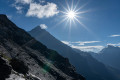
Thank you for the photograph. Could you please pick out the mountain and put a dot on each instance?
(91, 60)
(109, 56)
(23, 56)
(84, 63)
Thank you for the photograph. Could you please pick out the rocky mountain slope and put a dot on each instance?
(18, 71)
(84, 63)
(109, 56)
(17, 46)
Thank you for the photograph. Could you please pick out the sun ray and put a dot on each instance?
(70, 21)
(81, 7)
(72, 5)
(76, 5)
(68, 7)
(83, 25)
(61, 21)
(71, 15)
(82, 12)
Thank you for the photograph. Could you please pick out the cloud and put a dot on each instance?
(42, 1)
(80, 45)
(17, 5)
(36, 8)
(43, 26)
(67, 43)
(23, 1)
(41, 11)
(118, 44)
(18, 8)
(114, 36)
(89, 48)
(85, 42)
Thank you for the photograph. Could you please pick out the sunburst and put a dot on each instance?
(72, 15)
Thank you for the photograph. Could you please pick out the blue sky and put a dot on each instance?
(101, 18)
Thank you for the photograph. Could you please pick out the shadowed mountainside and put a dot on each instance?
(85, 64)
(109, 56)
(42, 62)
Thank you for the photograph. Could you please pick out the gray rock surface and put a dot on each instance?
(42, 62)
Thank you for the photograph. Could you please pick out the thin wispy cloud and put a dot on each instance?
(23, 1)
(41, 11)
(43, 26)
(114, 36)
(17, 5)
(117, 44)
(42, 1)
(81, 45)
(67, 43)
(89, 48)
(85, 42)
(18, 8)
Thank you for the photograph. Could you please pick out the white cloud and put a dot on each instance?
(114, 36)
(89, 48)
(23, 1)
(67, 43)
(85, 42)
(18, 8)
(84, 48)
(40, 11)
(43, 26)
(36, 8)
(42, 1)
(118, 44)
(19, 4)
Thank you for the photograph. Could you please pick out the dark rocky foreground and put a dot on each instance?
(29, 59)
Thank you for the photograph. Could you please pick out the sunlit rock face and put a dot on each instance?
(20, 49)
(9, 72)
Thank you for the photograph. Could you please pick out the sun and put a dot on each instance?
(71, 14)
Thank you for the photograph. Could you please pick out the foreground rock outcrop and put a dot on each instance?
(20, 49)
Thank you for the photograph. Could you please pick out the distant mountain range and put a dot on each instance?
(84, 63)
(24, 58)
(109, 56)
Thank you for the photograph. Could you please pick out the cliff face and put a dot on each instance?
(47, 64)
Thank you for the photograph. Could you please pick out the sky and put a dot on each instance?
(97, 24)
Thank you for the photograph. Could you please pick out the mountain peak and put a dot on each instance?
(110, 46)
(38, 28)
(3, 17)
